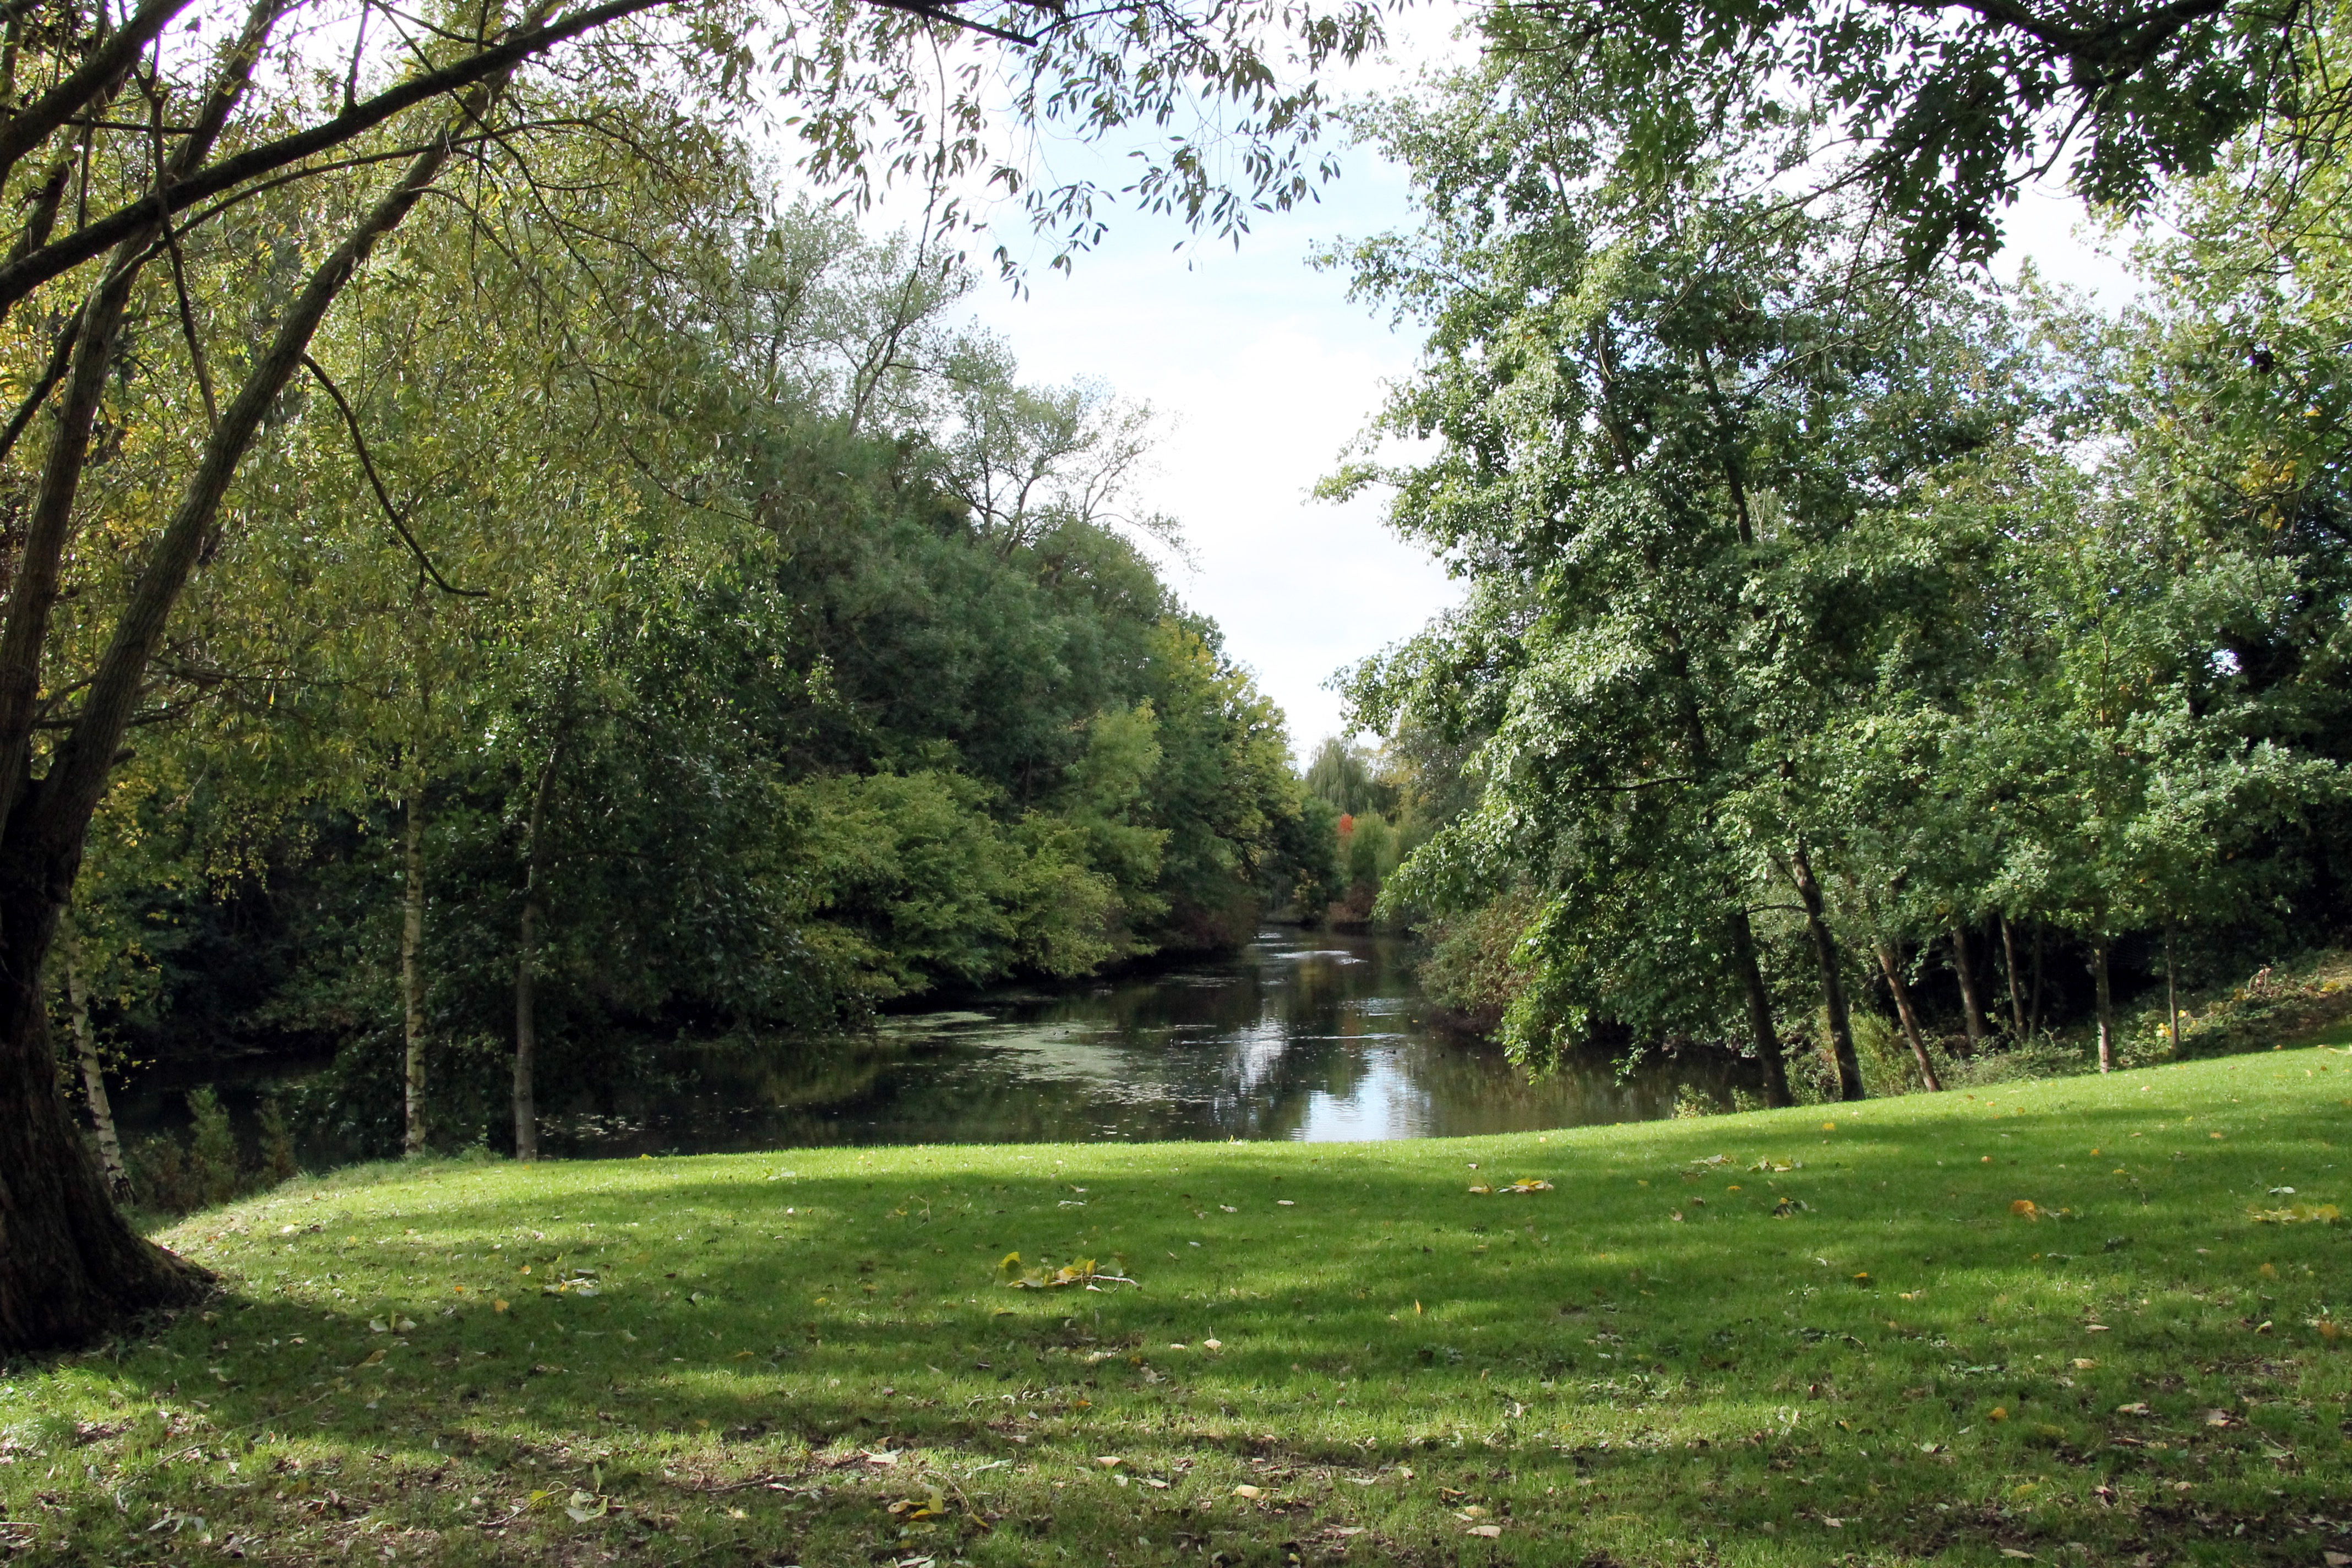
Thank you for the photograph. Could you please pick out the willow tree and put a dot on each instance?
(130, 140)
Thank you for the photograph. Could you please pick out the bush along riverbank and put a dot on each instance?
(2092, 1320)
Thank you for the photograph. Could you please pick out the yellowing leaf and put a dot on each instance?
(1249, 1492)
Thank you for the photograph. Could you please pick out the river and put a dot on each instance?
(1301, 1035)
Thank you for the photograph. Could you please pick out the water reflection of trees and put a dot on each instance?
(1293, 1034)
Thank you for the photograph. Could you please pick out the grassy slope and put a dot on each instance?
(783, 1349)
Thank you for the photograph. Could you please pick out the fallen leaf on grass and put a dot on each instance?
(2297, 1213)
(1249, 1492)
(2020, 1556)
(931, 1505)
(1488, 1531)
(2026, 1209)
(882, 1457)
(1083, 1273)
(2136, 1407)
(1109, 1461)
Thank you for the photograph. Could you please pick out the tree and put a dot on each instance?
(1935, 117)
(146, 183)
(1674, 431)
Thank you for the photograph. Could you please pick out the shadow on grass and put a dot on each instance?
(1855, 1346)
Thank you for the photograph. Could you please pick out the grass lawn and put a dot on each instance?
(2045, 1322)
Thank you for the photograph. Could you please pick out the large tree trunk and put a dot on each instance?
(70, 1268)
(93, 1073)
(1891, 965)
(1760, 1011)
(2107, 1005)
(412, 969)
(1972, 1016)
(1825, 954)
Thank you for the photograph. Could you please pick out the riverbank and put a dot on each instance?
(2082, 1319)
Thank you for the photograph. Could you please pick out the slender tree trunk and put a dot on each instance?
(412, 966)
(93, 1075)
(526, 1057)
(1825, 953)
(535, 875)
(2171, 992)
(1891, 965)
(70, 1268)
(1972, 1016)
(2033, 1017)
(1760, 1011)
(2016, 991)
(2107, 1005)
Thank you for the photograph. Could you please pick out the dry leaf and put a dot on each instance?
(1488, 1531)
(1249, 1492)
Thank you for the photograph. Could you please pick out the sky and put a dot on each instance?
(1263, 369)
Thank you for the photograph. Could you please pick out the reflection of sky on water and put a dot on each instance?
(1300, 1036)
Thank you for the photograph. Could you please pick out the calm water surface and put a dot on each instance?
(1301, 1035)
